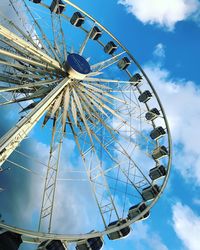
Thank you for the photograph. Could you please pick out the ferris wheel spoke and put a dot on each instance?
(91, 79)
(97, 84)
(59, 39)
(24, 33)
(8, 79)
(106, 63)
(99, 93)
(87, 103)
(29, 48)
(79, 106)
(40, 93)
(27, 68)
(24, 168)
(104, 202)
(56, 104)
(84, 44)
(66, 100)
(103, 192)
(17, 50)
(123, 150)
(24, 59)
(74, 110)
(13, 137)
(30, 32)
(102, 105)
(95, 73)
(87, 171)
(29, 76)
(92, 100)
(26, 86)
(104, 147)
(44, 37)
(89, 109)
(102, 93)
(140, 173)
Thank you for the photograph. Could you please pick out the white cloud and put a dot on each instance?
(144, 236)
(159, 50)
(165, 13)
(196, 201)
(186, 225)
(181, 101)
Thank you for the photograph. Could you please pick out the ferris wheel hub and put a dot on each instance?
(77, 66)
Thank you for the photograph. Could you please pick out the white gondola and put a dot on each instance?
(150, 192)
(157, 172)
(90, 244)
(159, 152)
(135, 79)
(157, 133)
(124, 63)
(110, 48)
(77, 19)
(51, 245)
(95, 33)
(36, 1)
(57, 6)
(152, 114)
(10, 241)
(120, 233)
(145, 96)
(136, 210)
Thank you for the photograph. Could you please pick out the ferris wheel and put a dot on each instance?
(88, 128)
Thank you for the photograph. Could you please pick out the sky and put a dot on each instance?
(164, 36)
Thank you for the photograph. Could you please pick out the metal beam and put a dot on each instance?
(29, 47)
(24, 59)
(14, 136)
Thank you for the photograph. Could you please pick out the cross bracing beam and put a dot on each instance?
(48, 200)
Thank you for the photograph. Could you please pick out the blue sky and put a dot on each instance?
(164, 36)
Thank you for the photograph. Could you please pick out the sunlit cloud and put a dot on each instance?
(186, 224)
(163, 13)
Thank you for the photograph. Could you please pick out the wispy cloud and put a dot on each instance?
(144, 237)
(186, 224)
(164, 13)
(159, 50)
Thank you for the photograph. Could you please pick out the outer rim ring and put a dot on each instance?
(37, 237)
